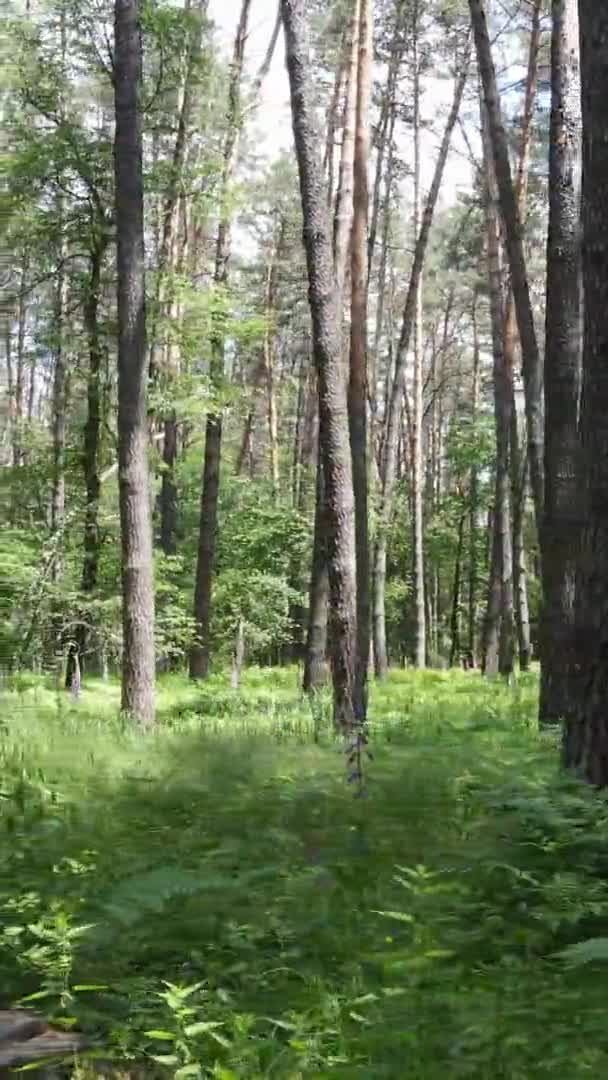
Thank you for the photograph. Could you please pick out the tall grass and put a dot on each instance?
(211, 900)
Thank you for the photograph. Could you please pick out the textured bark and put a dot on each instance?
(318, 598)
(59, 397)
(519, 475)
(417, 395)
(563, 509)
(333, 426)
(393, 411)
(344, 199)
(135, 517)
(357, 389)
(455, 647)
(200, 652)
(532, 370)
(501, 584)
(473, 507)
(586, 734)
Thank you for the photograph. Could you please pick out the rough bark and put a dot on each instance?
(562, 518)
(200, 652)
(393, 411)
(473, 506)
(586, 734)
(135, 517)
(344, 198)
(455, 647)
(318, 596)
(500, 622)
(357, 389)
(532, 369)
(417, 395)
(333, 411)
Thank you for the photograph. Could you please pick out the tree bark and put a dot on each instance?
(316, 636)
(586, 733)
(393, 411)
(473, 506)
(344, 199)
(135, 517)
(357, 389)
(200, 652)
(517, 264)
(417, 403)
(563, 511)
(333, 410)
(455, 620)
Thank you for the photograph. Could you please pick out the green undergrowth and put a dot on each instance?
(214, 900)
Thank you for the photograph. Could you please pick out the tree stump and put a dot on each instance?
(26, 1038)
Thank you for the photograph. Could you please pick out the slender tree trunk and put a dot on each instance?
(394, 406)
(135, 517)
(344, 199)
(316, 637)
(59, 398)
(500, 623)
(563, 510)
(200, 653)
(92, 433)
(517, 264)
(357, 390)
(417, 404)
(473, 506)
(455, 621)
(333, 410)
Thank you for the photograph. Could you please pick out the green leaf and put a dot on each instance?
(398, 916)
(187, 1070)
(584, 952)
(165, 1036)
(201, 1027)
(165, 1059)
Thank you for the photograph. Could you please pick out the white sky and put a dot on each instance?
(273, 118)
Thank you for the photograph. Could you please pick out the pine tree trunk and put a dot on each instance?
(563, 511)
(473, 507)
(455, 647)
(502, 560)
(517, 264)
(344, 199)
(316, 637)
(357, 390)
(135, 517)
(417, 404)
(586, 733)
(327, 349)
(200, 652)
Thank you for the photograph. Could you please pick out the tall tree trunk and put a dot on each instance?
(455, 621)
(327, 348)
(357, 390)
(318, 597)
(502, 564)
(92, 432)
(473, 505)
(586, 733)
(519, 475)
(135, 517)
(417, 403)
(393, 411)
(200, 652)
(344, 199)
(563, 511)
(517, 264)
(59, 397)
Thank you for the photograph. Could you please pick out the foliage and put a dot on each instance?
(213, 902)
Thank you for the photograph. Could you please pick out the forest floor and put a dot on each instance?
(212, 900)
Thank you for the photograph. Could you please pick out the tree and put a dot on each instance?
(135, 518)
(563, 342)
(586, 728)
(333, 412)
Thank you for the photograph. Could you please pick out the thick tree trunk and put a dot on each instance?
(333, 427)
(316, 637)
(394, 407)
(517, 264)
(563, 510)
(586, 733)
(200, 653)
(135, 517)
(357, 389)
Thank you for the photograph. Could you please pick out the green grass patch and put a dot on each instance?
(212, 900)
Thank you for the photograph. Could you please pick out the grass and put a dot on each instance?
(212, 900)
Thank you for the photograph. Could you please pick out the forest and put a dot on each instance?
(304, 558)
